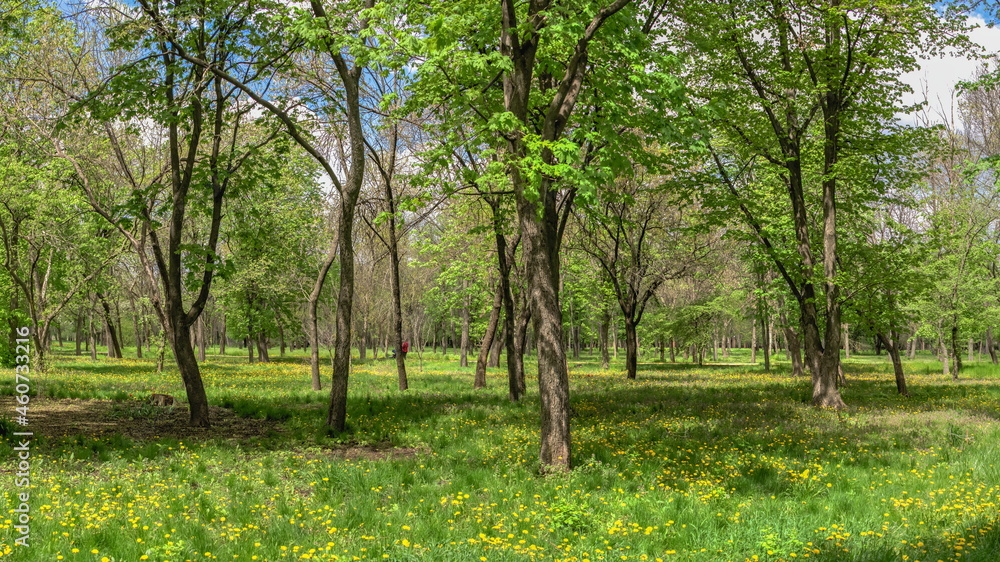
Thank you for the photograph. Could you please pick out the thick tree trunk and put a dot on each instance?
(631, 348)
(542, 257)
(190, 373)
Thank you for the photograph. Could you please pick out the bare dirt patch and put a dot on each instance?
(49, 418)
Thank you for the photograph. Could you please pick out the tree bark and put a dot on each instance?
(494, 360)
(631, 348)
(603, 339)
(892, 344)
(794, 349)
(990, 345)
(487, 343)
(114, 347)
(313, 308)
(466, 321)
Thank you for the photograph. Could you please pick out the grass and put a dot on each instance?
(711, 463)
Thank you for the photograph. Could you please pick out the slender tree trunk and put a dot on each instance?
(847, 341)
(794, 349)
(114, 347)
(223, 337)
(92, 336)
(494, 360)
(767, 344)
(990, 346)
(673, 353)
(487, 343)
(956, 351)
(79, 334)
(603, 338)
(281, 339)
(200, 336)
(892, 345)
(312, 306)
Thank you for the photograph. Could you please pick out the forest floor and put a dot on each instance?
(714, 463)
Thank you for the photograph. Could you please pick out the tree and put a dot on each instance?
(814, 90)
(639, 233)
(551, 82)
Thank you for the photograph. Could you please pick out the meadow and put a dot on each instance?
(712, 463)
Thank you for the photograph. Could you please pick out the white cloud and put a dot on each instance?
(937, 77)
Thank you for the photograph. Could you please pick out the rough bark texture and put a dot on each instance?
(631, 349)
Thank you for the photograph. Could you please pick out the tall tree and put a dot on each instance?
(815, 89)
(551, 81)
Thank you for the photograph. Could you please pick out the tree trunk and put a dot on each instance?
(519, 340)
(114, 347)
(494, 360)
(79, 334)
(200, 337)
(847, 341)
(767, 344)
(312, 306)
(487, 343)
(92, 337)
(989, 345)
(753, 344)
(944, 356)
(673, 353)
(956, 365)
(223, 337)
(281, 338)
(892, 345)
(631, 348)
(466, 321)
(262, 345)
(794, 349)
(397, 307)
(190, 374)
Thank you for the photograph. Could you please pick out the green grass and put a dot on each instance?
(686, 463)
